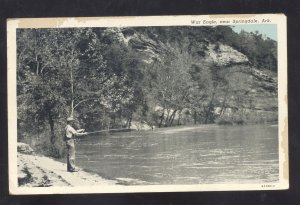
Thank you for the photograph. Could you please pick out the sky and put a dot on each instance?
(270, 30)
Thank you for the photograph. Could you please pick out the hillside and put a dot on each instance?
(252, 89)
(160, 76)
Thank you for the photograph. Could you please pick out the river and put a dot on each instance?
(204, 154)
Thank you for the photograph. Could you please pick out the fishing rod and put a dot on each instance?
(108, 130)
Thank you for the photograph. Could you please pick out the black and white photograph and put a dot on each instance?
(147, 104)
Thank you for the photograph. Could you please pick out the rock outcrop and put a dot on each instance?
(224, 55)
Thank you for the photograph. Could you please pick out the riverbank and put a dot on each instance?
(206, 153)
(41, 171)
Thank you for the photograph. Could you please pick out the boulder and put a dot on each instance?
(24, 148)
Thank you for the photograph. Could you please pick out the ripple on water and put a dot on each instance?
(216, 155)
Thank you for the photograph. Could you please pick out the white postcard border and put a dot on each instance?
(205, 20)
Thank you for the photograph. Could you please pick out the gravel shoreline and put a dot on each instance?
(41, 171)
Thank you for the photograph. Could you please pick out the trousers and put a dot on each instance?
(70, 154)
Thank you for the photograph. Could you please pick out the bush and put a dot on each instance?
(249, 117)
(56, 150)
(41, 144)
(239, 121)
(224, 122)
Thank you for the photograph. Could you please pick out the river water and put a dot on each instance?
(203, 154)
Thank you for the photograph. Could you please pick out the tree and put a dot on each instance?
(59, 56)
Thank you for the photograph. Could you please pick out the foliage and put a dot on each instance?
(161, 76)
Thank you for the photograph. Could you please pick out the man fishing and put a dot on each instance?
(70, 134)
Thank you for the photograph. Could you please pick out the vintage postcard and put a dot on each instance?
(147, 104)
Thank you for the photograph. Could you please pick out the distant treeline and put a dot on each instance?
(113, 77)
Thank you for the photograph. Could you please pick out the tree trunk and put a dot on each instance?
(167, 118)
(210, 106)
(195, 117)
(37, 65)
(172, 118)
(161, 118)
(207, 114)
(51, 123)
(114, 120)
(179, 117)
(72, 108)
(72, 92)
(120, 118)
(129, 123)
(222, 111)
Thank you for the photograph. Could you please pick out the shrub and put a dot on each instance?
(42, 145)
(56, 150)
(224, 122)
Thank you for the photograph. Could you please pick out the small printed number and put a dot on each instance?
(268, 185)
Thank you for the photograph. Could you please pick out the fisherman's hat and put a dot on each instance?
(69, 119)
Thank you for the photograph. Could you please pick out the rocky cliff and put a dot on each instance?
(254, 89)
